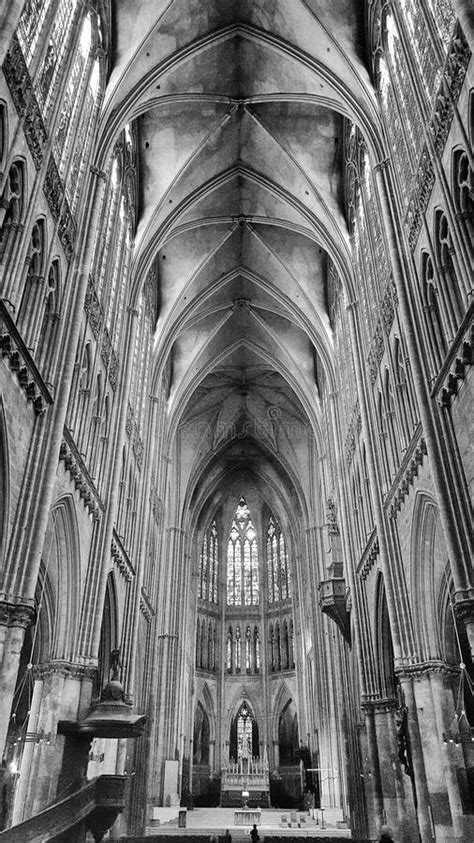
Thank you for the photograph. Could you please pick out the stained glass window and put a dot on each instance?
(83, 137)
(242, 560)
(423, 46)
(55, 52)
(279, 587)
(208, 565)
(244, 733)
(30, 25)
(71, 106)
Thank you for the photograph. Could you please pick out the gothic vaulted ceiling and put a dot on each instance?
(240, 106)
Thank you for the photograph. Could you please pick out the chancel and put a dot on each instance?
(236, 419)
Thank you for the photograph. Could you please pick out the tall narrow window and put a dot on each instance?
(229, 650)
(208, 565)
(30, 25)
(277, 563)
(242, 560)
(56, 50)
(256, 646)
(238, 651)
(248, 650)
(72, 102)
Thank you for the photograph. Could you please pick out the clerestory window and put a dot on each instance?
(208, 565)
(279, 586)
(242, 559)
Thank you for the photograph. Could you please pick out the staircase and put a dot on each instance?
(215, 821)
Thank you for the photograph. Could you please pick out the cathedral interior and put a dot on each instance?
(236, 418)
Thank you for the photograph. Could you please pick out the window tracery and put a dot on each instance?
(242, 560)
(436, 330)
(450, 289)
(208, 565)
(30, 26)
(423, 46)
(463, 189)
(31, 306)
(53, 56)
(11, 205)
(51, 314)
(244, 732)
(279, 586)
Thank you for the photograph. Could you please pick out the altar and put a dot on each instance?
(248, 779)
(247, 816)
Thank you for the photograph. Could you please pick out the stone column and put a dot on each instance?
(166, 659)
(276, 755)
(46, 767)
(452, 757)
(421, 790)
(453, 505)
(15, 617)
(376, 814)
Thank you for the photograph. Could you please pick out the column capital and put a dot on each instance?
(463, 605)
(426, 669)
(16, 611)
(61, 667)
(380, 705)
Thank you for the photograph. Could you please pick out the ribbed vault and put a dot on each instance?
(240, 107)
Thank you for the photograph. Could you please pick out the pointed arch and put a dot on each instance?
(208, 703)
(244, 732)
(429, 559)
(109, 631)
(282, 697)
(201, 736)
(61, 555)
(384, 644)
(288, 734)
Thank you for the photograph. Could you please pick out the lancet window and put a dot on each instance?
(279, 586)
(423, 46)
(54, 54)
(11, 205)
(74, 131)
(338, 312)
(30, 25)
(244, 733)
(208, 565)
(400, 108)
(31, 307)
(242, 560)
(141, 360)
